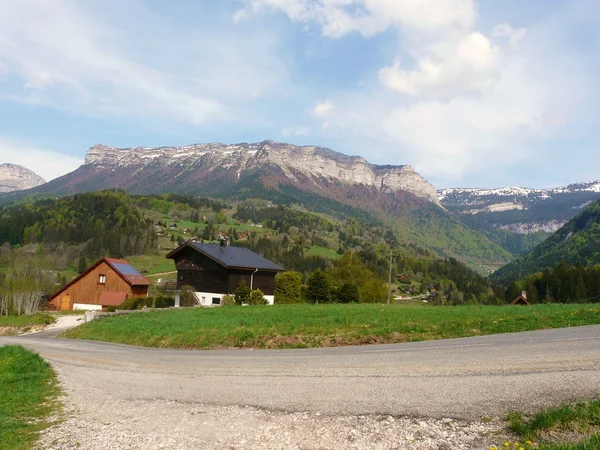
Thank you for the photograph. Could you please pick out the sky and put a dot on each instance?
(472, 93)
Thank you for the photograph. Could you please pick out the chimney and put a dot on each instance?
(524, 294)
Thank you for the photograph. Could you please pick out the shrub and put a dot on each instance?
(111, 309)
(228, 300)
(132, 303)
(288, 288)
(188, 296)
(257, 298)
(164, 301)
(242, 293)
(347, 293)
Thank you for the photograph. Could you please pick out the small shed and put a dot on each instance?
(521, 299)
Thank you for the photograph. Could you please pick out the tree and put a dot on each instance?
(319, 289)
(257, 298)
(188, 296)
(347, 293)
(81, 265)
(288, 286)
(242, 293)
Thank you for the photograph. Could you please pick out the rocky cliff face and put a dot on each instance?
(16, 178)
(307, 164)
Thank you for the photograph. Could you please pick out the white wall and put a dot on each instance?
(86, 307)
(205, 298)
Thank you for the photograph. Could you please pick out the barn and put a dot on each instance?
(216, 270)
(108, 282)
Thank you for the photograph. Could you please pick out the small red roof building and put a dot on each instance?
(108, 282)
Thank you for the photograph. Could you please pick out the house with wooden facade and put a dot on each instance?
(215, 270)
(108, 282)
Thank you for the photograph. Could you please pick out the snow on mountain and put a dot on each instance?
(314, 163)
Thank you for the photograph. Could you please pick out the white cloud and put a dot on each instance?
(470, 67)
(295, 130)
(48, 164)
(80, 60)
(505, 30)
(323, 108)
(337, 18)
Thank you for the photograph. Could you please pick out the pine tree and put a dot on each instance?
(318, 288)
(242, 293)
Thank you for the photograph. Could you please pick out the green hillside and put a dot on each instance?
(578, 242)
(61, 237)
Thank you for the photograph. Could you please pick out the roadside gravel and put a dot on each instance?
(110, 423)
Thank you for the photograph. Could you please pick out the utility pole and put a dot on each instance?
(390, 281)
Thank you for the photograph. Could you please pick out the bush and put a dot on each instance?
(228, 300)
(288, 288)
(242, 293)
(111, 309)
(164, 301)
(188, 296)
(347, 293)
(132, 303)
(257, 298)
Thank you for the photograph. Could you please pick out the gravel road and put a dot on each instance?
(429, 395)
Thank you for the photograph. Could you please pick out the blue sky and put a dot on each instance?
(471, 92)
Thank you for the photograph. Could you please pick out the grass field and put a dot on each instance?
(23, 321)
(566, 427)
(322, 251)
(29, 391)
(151, 264)
(298, 326)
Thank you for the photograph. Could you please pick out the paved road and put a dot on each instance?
(461, 378)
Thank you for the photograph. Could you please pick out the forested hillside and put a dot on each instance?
(80, 226)
(65, 235)
(578, 242)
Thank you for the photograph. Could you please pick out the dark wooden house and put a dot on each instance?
(215, 270)
(108, 282)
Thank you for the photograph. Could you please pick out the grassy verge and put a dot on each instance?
(325, 325)
(566, 427)
(11, 325)
(22, 321)
(29, 392)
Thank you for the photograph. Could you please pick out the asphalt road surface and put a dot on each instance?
(460, 378)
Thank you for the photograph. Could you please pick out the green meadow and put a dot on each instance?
(302, 326)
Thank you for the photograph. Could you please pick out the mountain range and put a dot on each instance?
(487, 227)
(317, 178)
(519, 218)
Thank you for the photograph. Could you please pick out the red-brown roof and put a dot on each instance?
(112, 298)
(520, 300)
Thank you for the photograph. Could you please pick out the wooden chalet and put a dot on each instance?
(108, 282)
(215, 270)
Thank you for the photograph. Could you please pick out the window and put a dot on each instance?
(102, 279)
(216, 301)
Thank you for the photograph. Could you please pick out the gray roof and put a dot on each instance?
(233, 257)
